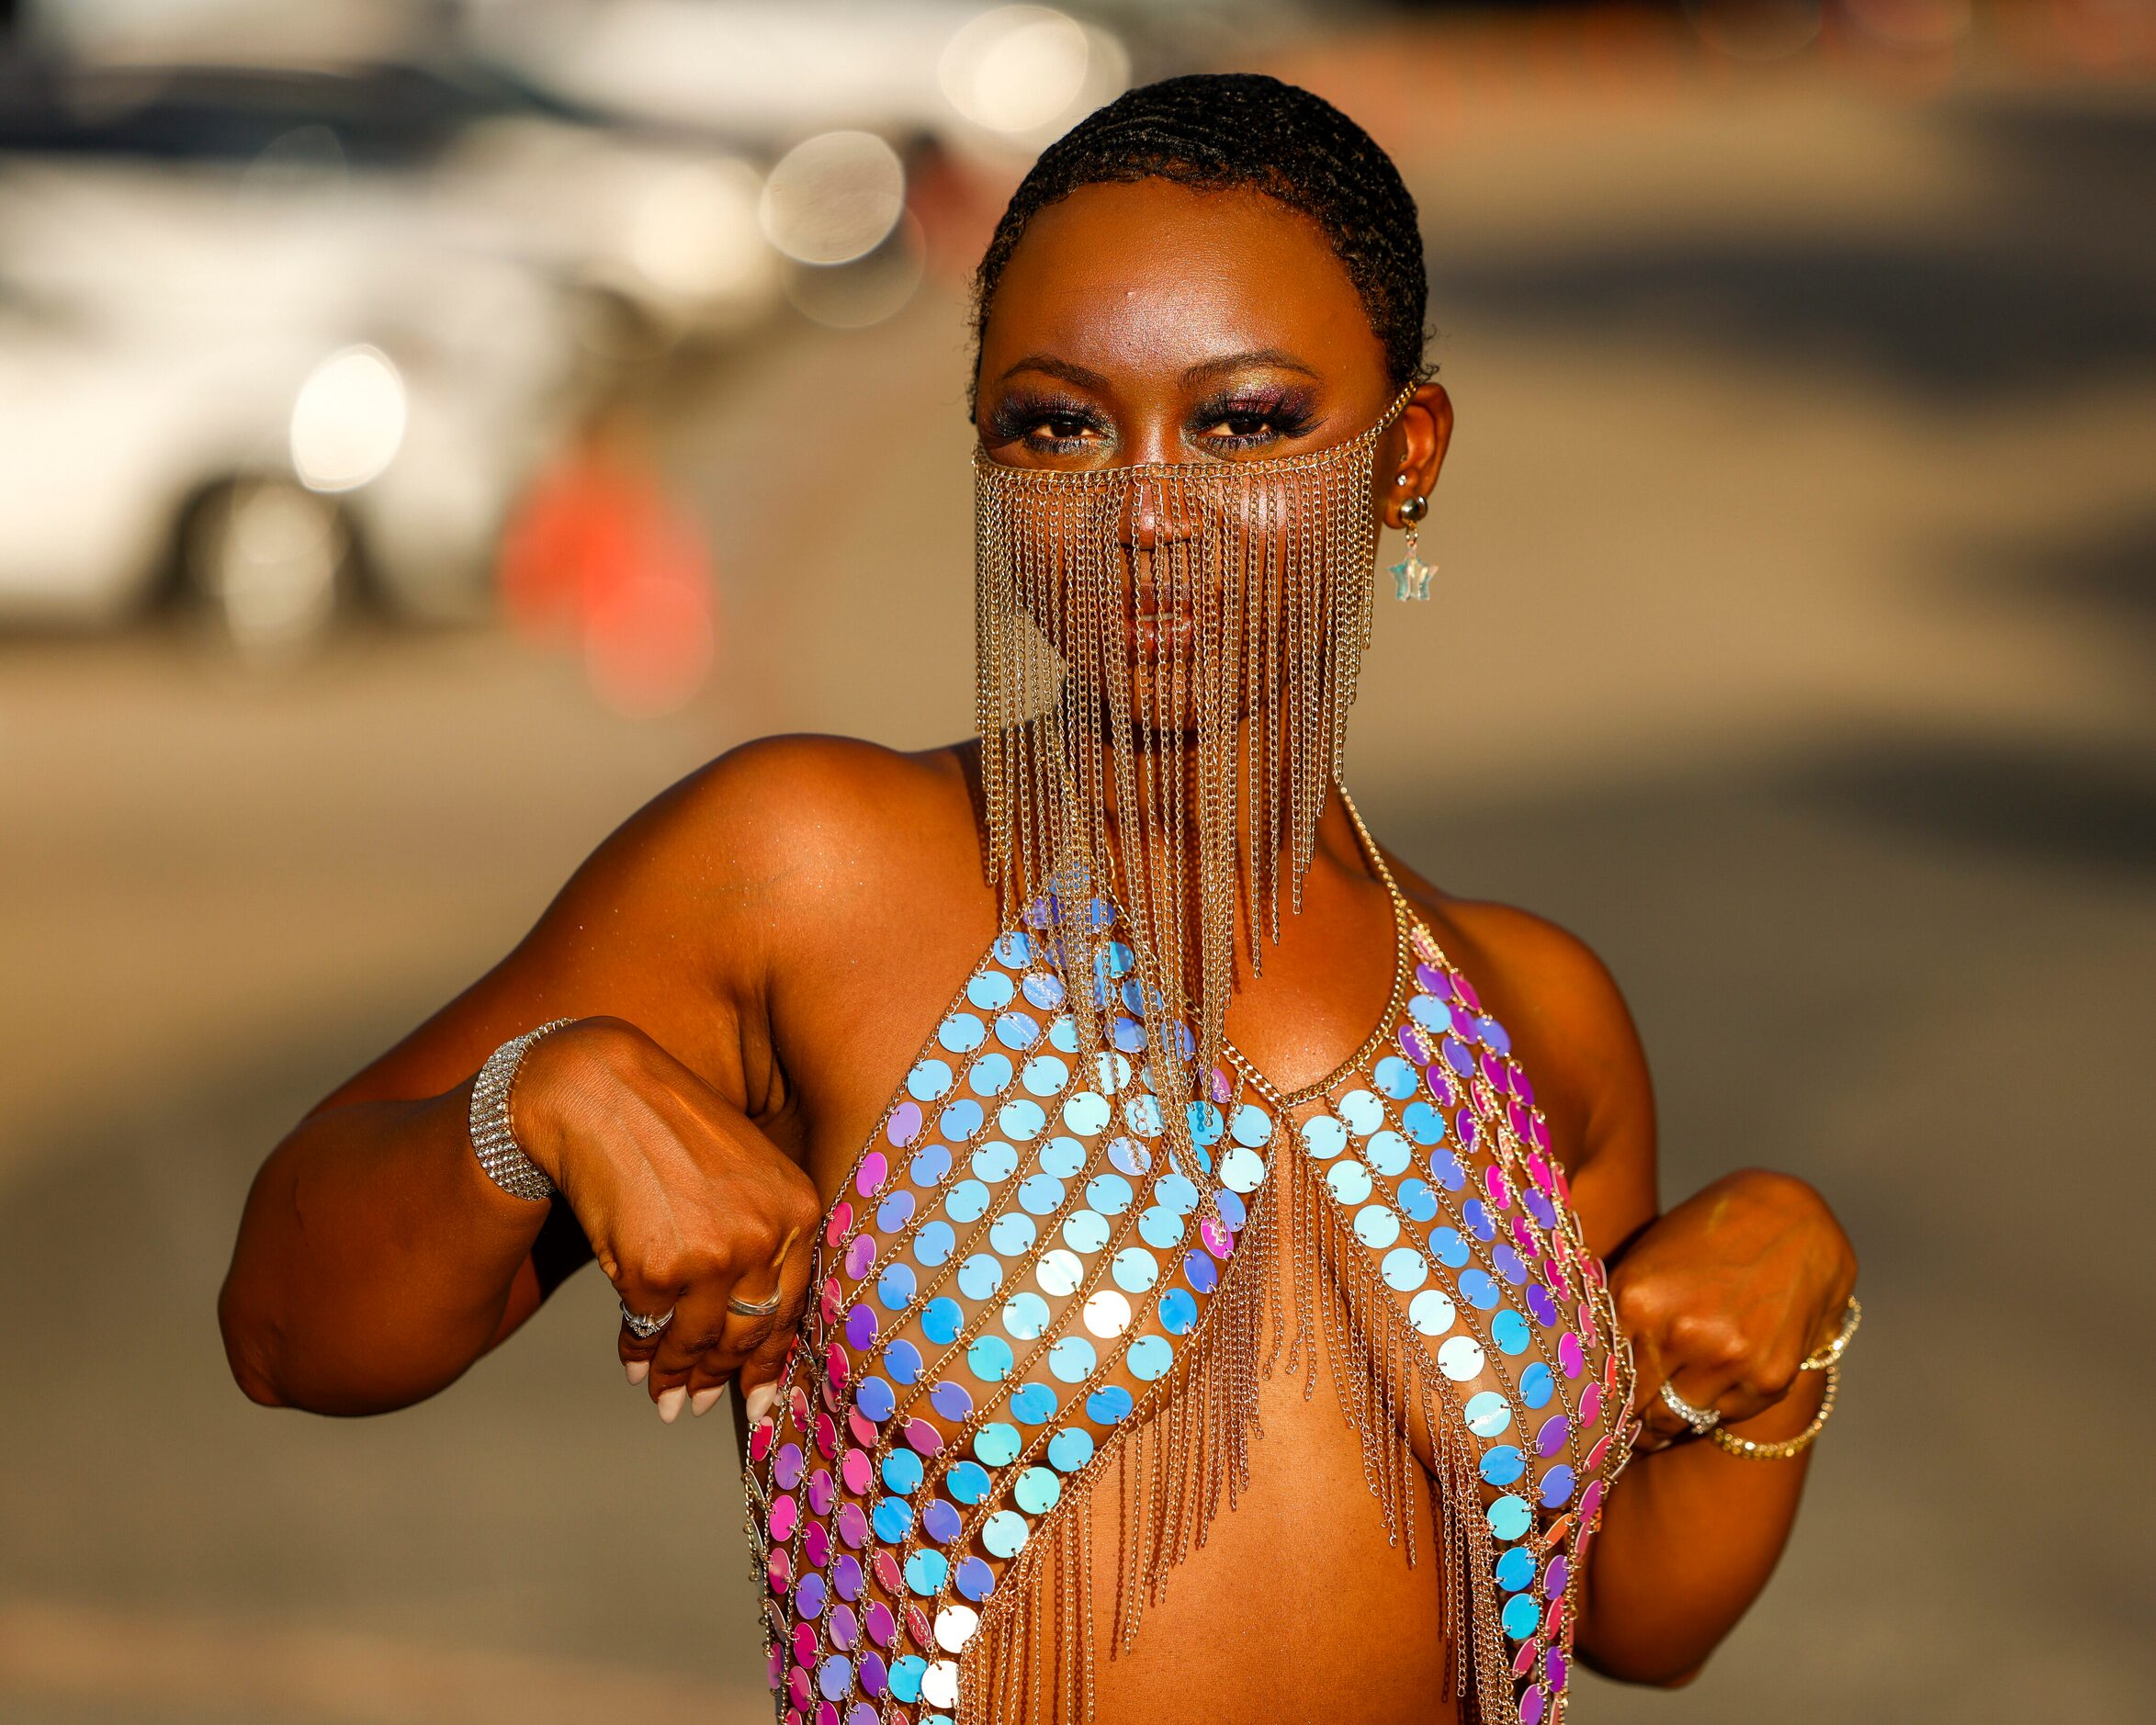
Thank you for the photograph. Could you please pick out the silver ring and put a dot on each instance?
(642, 1327)
(755, 1308)
(1702, 1420)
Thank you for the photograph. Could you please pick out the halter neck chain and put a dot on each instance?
(1403, 979)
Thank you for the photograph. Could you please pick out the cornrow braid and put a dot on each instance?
(1216, 130)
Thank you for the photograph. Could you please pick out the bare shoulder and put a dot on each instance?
(752, 836)
(777, 815)
(802, 781)
(1573, 1032)
(776, 856)
(677, 919)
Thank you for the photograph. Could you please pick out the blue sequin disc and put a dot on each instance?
(1109, 1405)
(875, 1399)
(997, 1444)
(902, 1472)
(933, 1245)
(1488, 1413)
(942, 1319)
(1072, 1359)
(989, 1358)
(1032, 1405)
(1149, 1358)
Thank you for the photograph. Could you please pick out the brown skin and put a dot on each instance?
(753, 958)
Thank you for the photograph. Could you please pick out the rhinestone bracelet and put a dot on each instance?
(493, 1136)
(1820, 1358)
(1752, 1449)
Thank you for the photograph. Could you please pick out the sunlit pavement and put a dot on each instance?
(1796, 646)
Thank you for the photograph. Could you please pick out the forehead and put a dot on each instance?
(1153, 275)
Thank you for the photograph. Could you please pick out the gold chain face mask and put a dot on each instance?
(1166, 656)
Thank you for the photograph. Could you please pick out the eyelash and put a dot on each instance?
(1270, 415)
(1018, 417)
(1285, 413)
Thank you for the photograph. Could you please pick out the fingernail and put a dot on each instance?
(700, 1403)
(638, 1370)
(757, 1401)
(670, 1402)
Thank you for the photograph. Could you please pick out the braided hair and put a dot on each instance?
(1213, 131)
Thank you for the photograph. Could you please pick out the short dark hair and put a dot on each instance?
(1214, 131)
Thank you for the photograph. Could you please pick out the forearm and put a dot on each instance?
(374, 1259)
(1690, 1537)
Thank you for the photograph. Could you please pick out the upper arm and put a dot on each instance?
(655, 927)
(667, 925)
(1573, 1034)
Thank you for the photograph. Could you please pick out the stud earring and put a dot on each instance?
(1411, 575)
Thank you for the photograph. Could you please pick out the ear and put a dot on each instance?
(1414, 450)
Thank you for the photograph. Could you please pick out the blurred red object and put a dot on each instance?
(598, 558)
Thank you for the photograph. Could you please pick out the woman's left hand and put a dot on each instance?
(1724, 1295)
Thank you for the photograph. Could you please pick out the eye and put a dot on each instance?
(1251, 420)
(1049, 424)
(1245, 424)
(1060, 428)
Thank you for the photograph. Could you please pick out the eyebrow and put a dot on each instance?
(1269, 357)
(1085, 378)
(1051, 367)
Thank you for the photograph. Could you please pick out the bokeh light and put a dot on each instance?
(696, 232)
(833, 197)
(348, 421)
(1015, 68)
(855, 296)
(1027, 72)
(650, 642)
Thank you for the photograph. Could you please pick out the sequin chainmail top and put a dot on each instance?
(1022, 1295)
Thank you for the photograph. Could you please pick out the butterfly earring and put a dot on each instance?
(1411, 575)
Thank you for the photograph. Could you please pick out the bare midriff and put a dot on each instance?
(1297, 1600)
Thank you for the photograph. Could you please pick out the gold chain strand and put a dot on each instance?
(1057, 725)
(1055, 594)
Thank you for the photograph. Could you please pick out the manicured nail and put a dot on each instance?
(638, 1370)
(670, 1402)
(700, 1403)
(757, 1401)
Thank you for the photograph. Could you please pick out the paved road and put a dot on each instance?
(1797, 650)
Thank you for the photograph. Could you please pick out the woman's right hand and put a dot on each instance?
(685, 1203)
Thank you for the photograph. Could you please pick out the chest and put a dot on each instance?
(848, 1031)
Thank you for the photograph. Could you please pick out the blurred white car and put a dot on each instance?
(265, 334)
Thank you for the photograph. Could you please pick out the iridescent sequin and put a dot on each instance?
(1018, 1256)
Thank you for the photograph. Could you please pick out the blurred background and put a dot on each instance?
(428, 429)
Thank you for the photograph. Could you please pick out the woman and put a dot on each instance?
(1122, 1327)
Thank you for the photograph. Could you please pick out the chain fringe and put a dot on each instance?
(1272, 565)
(1186, 1451)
